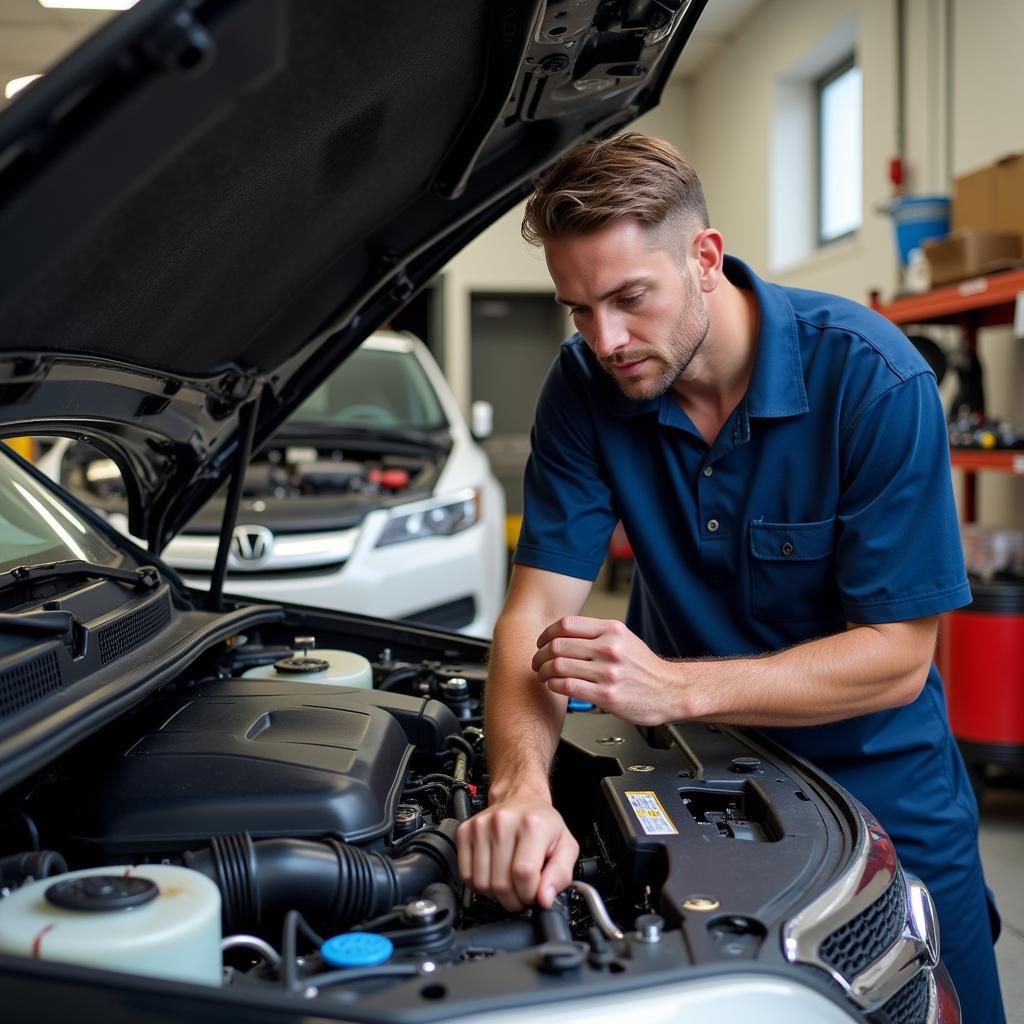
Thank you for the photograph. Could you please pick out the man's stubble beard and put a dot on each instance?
(688, 335)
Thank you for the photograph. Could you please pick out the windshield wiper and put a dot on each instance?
(145, 577)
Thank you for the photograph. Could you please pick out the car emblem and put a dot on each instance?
(252, 543)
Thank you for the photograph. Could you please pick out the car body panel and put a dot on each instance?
(169, 96)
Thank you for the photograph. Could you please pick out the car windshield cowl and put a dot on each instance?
(145, 577)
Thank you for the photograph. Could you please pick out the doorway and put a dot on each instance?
(515, 338)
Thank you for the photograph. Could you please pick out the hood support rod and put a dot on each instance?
(246, 432)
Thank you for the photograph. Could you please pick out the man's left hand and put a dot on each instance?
(603, 662)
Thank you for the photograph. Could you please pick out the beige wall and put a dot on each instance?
(722, 119)
(499, 260)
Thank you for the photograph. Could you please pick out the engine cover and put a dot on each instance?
(270, 758)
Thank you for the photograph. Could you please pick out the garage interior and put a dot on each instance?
(925, 93)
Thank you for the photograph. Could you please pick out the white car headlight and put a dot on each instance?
(436, 519)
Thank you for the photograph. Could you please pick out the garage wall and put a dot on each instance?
(499, 260)
(961, 99)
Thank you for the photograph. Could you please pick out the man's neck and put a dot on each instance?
(713, 385)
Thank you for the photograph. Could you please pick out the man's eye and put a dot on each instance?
(631, 300)
(577, 310)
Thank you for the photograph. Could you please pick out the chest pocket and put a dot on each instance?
(792, 571)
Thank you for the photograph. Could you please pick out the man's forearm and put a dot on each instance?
(865, 669)
(522, 717)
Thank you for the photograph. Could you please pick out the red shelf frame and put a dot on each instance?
(987, 301)
(974, 461)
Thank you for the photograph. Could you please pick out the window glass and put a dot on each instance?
(839, 152)
(375, 388)
(36, 527)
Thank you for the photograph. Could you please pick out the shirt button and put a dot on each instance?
(787, 548)
(708, 471)
(712, 525)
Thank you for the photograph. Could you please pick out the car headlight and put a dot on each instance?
(432, 520)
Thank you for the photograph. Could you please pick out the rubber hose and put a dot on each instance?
(508, 936)
(18, 868)
(329, 881)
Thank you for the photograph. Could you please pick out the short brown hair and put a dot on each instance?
(603, 181)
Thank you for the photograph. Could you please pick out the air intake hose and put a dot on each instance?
(327, 881)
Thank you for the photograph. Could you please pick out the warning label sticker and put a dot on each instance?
(651, 815)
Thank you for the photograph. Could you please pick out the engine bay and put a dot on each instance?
(362, 469)
(313, 794)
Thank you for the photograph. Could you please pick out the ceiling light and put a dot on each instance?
(15, 85)
(89, 5)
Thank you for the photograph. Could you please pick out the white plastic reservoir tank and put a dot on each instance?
(332, 668)
(153, 919)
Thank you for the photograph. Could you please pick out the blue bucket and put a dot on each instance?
(919, 219)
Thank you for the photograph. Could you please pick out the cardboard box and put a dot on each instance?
(991, 198)
(974, 201)
(968, 253)
(1009, 194)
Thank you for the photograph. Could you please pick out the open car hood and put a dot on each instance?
(208, 205)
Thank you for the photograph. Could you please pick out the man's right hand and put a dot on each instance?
(518, 851)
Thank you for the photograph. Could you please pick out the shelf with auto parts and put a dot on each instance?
(981, 647)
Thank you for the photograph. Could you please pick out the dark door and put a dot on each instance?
(515, 338)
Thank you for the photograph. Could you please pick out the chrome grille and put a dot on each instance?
(862, 940)
(908, 1006)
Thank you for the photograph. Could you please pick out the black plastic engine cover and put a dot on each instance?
(266, 757)
(710, 818)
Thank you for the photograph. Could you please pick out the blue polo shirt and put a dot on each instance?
(825, 499)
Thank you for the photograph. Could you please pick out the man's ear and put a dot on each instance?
(708, 249)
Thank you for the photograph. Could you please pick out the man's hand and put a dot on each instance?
(603, 662)
(518, 850)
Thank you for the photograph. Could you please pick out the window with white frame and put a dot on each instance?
(839, 190)
(815, 193)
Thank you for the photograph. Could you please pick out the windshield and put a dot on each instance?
(36, 527)
(375, 388)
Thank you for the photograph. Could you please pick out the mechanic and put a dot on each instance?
(780, 462)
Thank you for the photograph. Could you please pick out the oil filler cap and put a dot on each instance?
(102, 892)
(357, 949)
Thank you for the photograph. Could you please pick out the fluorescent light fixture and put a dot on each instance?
(15, 85)
(88, 5)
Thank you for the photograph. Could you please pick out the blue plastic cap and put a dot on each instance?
(580, 705)
(357, 949)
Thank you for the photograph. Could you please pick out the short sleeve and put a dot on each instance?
(568, 511)
(898, 555)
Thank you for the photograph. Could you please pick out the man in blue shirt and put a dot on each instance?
(780, 462)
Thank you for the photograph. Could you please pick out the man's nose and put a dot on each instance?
(610, 334)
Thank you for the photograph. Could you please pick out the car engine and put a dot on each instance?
(282, 816)
(362, 468)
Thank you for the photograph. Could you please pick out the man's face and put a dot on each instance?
(639, 311)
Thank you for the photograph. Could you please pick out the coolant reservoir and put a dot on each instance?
(333, 668)
(153, 919)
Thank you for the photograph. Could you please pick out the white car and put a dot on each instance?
(373, 497)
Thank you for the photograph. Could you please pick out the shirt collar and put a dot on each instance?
(776, 386)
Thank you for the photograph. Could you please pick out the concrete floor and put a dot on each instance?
(1002, 847)
(1002, 853)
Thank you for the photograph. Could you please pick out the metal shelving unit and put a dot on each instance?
(988, 301)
